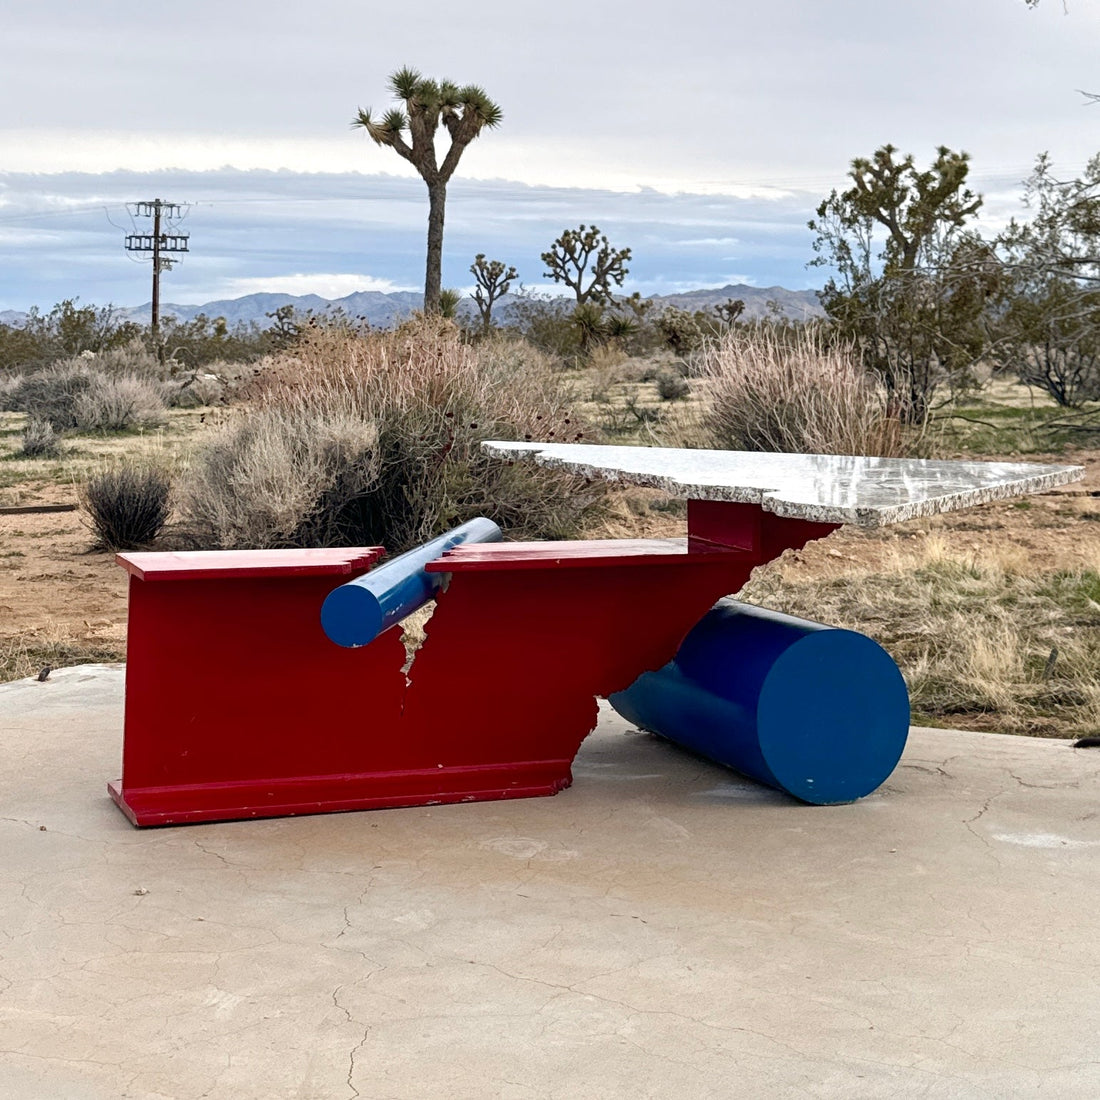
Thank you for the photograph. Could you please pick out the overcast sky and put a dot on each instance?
(701, 133)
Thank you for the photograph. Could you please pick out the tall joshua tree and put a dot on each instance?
(465, 112)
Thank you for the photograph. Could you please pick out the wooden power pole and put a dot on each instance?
(157, 243)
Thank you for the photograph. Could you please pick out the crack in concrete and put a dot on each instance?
(1074, 785)
(217, 855)
(969, 822)
(354, 1052)
(218, 1076)
(928, 770)
(578, 990)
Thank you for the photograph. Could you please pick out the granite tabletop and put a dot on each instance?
(870, 492)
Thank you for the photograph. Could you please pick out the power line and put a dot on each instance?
(157, 243)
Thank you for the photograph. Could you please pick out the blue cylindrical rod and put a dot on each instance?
(816, 711)
(357, 612)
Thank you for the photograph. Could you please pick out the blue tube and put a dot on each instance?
(357, 612)
(815, 711)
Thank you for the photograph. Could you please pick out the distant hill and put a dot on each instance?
(383, 310)
(799, 305)
(378, 309)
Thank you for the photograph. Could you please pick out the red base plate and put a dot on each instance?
(338, 793)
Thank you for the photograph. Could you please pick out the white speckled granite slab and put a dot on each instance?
(870, 492)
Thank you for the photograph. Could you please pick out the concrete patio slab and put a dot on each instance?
(661, 929)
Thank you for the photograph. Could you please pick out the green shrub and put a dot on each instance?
(67, 330)
(204, 340)
(547, 323)
(685, 332)
(366, 439)
(9, 383)
(127, 505)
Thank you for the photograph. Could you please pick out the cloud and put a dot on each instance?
(63, 233)
(259, 229)
(706, 242)
(743, 100)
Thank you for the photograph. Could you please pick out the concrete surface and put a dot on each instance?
(662, 929)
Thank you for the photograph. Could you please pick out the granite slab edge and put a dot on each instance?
(770, 500)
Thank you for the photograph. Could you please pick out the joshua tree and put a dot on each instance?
(568, 260)
(729, 310)
(912, 277)
(465, 112)
(493, 281)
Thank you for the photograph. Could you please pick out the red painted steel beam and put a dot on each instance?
(238, 706)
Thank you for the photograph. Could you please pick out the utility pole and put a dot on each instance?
(157, 243)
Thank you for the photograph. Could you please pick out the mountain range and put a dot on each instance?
(382, 310)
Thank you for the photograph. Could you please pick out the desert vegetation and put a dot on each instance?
(986, 639)
(798, 391)
(355, 436)
(409, 130)
(363, 438)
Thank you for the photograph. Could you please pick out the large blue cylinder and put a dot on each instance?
(816, 711)
(357, 612)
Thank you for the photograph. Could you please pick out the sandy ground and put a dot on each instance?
(52, 583)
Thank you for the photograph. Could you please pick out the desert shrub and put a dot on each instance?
(127, 506)
(546, 322)
(180, 385)
(9, 384)
(204, 340)
(672, 386)
(373, 438)
(51, 392)
(680, 330)
(685, 332)
(132, 358)
(74, 394)
(19, 348)
(115, 403)
(40, 440)
(281, 475)
(197, 389)
(67, 330)
(795, 392)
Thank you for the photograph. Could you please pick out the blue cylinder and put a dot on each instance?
(357, 612)
(815, 711)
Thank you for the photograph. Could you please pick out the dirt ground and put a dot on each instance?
(55, 589)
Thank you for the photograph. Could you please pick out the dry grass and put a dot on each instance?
(984, 640)
(363, 438)
(28, 653)
(795, 392)
(82, 456)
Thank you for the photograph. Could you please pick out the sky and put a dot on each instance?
(701, 133)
